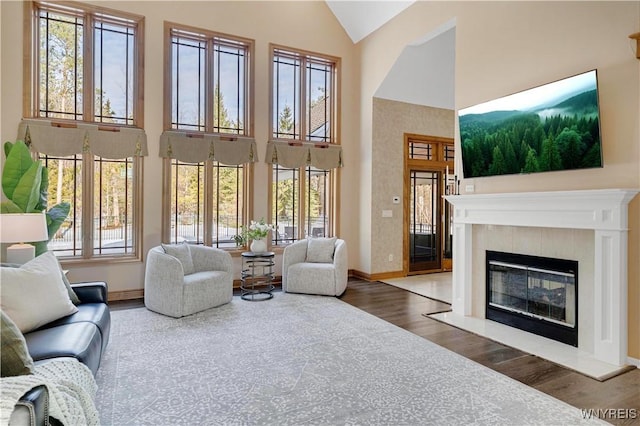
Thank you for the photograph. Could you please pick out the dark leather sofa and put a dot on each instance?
(83, 335)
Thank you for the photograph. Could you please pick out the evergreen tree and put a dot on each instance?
(593, 158)
(570, 147)
(285, 122)
(498, 165)
(549, 157)
(531, 162)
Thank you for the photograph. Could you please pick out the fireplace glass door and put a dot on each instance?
(548, 295)
(535, 294)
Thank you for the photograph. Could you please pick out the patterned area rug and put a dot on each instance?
(300, 359)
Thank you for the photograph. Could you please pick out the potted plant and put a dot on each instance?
(257, 233)
(25, 183)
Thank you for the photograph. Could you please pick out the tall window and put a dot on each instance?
(87, 69)
(208, 84)
(304, 109)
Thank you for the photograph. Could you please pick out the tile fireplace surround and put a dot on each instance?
(604, 214)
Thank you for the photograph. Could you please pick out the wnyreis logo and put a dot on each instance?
(610, 413)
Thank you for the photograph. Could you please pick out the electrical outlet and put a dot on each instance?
(390, 258)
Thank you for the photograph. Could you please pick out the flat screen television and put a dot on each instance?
(547, 128)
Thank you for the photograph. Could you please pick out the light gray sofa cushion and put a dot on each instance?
(320, 250)
(182, 253)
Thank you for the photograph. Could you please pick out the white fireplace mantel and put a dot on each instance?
(603, 210)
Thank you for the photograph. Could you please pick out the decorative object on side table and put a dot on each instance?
(257, 233)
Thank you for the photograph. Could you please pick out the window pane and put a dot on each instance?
(316, 202)
(286, 92)
(65, 177)
(60, 59)
(318, 101)
(227, 204)
(285, 204)
(113, 73)
(113, 212)
(188, 84)
(187, 202)
(229, 89)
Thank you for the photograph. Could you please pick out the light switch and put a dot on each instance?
(387, 213)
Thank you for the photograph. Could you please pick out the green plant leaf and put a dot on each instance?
(7, 148)
(41, 247)
(27, 192)
(55, 217)
(17, 163)
(9, 207)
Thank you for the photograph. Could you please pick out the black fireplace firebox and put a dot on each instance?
(535, 294)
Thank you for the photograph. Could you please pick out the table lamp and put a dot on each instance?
(19, 228)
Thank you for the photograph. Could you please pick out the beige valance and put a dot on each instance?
(232, 150)
(49, 138)
(302, 154)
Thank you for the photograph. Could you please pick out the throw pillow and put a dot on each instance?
(183, 254)
(14, 357)
(72, 294)
(320, 250)
(34, 294)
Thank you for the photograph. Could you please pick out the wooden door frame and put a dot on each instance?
(437, 163)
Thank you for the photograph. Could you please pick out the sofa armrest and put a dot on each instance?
(32, 408)
(292, 254)
(340, 261)
(91, 292)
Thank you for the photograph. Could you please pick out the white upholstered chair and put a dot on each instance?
(182, 279)
(315, 266)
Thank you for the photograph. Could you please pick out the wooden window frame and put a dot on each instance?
(333, 181)
(210, 166)
(31, 102)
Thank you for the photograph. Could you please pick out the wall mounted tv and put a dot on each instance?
(551, 127)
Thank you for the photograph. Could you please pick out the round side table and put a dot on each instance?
(257, 276)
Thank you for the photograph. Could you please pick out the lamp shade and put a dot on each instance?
(23, 227)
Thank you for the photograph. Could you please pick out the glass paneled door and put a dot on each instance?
(424, 221)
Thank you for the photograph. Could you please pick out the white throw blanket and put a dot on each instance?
(71, 387)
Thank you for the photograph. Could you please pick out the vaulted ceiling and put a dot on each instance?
(424, 72)
(361, 18)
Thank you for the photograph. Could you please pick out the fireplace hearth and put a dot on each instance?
(535, 294)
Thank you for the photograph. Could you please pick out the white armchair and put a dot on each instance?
(315, 266)
(184, 279)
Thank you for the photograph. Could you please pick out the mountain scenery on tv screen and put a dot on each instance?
(547, 128)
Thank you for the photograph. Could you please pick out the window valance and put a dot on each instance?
(302, 154)
(62, 140)
(232, 150)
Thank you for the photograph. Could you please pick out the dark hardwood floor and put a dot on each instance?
(618, 398)
(620, 395)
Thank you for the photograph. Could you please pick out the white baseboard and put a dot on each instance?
(633, 361)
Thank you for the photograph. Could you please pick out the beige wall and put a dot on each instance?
(501, 48)
(391, 120)
(304, 25)
(505, 47)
